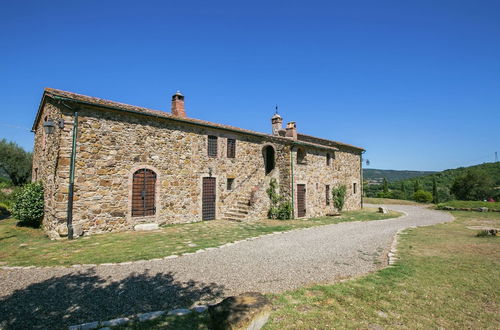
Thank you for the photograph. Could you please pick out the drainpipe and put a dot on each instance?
(72, 177)
(293, 193)
(361, 175)
(69, 218)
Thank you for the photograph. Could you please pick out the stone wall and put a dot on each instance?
(316, 174)
(112, 145)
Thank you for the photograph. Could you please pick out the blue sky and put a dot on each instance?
(416, 83)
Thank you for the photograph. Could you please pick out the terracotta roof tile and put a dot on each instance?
(94, 101)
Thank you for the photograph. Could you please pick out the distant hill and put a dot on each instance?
(446, 177)
(375, 176)
(444, 180)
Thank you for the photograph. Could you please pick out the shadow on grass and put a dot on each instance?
(85, 297)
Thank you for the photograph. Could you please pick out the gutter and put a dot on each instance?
(293, 192)
(148, 114)
(361, 176)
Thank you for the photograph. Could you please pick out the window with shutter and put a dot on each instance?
(327, 194)
(143, 193)
(212, 146)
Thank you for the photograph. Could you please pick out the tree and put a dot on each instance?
(403, 190)
(386, 186)
(15, 161)
(422, 196)
(435, 196)
(473, 185)
(416, 185)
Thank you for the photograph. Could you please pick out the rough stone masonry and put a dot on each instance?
(136, 166)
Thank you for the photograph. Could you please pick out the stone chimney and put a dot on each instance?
(277, 123)
(291, 130)
(178, 105)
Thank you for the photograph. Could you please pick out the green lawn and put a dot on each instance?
(369, 200)
(471, 204)
(446, 278)
(23, 246)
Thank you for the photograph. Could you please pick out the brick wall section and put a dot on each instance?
(112, 145)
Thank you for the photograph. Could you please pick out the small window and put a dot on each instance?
(301, 156)
(231, 148)
(35, 174)
(230, 183)
(328, 159)
(354, 188)
(327, 194)
(212, 146)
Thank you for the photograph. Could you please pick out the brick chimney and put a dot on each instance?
(277, 123)
(291, 130)
(178, 105)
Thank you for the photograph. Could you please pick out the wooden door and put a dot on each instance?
(143, 193)
(301, 200)
(208, 199)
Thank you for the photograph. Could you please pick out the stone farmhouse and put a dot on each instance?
(108, 166)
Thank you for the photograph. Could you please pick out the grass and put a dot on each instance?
(446, 278)
(24, 246)
(369, 200)
(472, 204)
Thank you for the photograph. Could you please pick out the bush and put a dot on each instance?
(338, 196)
(422, 196)
(280, 208)
(28, 204)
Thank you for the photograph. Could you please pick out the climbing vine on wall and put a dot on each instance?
(280, 208)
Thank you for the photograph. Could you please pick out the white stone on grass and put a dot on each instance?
(149, 316)
(200, 309)
(115, 322)
(171, 257)
(146, 227)
(85, 326)
(179, 312)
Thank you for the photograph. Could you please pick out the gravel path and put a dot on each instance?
(57, 297)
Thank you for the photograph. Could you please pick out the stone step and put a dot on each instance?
(238, 210)
(235, 215)
(232, 219)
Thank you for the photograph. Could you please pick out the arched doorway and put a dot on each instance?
(269, 161)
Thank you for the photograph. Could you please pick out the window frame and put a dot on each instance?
(231, 148)
(212, 148)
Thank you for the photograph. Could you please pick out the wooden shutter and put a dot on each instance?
(301, 200)
(327, 194)
(231, 148)
(143, 193)
(212, 146)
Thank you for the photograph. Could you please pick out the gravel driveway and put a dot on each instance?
(57, 297)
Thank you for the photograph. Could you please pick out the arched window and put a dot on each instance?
(269, 162)
(143, 193)
(301, 156)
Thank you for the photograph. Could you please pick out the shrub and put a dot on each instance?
(422, 196)
(28, 204)
(280, 208)
(338, 196)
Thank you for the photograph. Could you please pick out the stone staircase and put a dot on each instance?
(240, 209)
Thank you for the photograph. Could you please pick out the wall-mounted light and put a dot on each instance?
(49, 126)
(210, 172)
